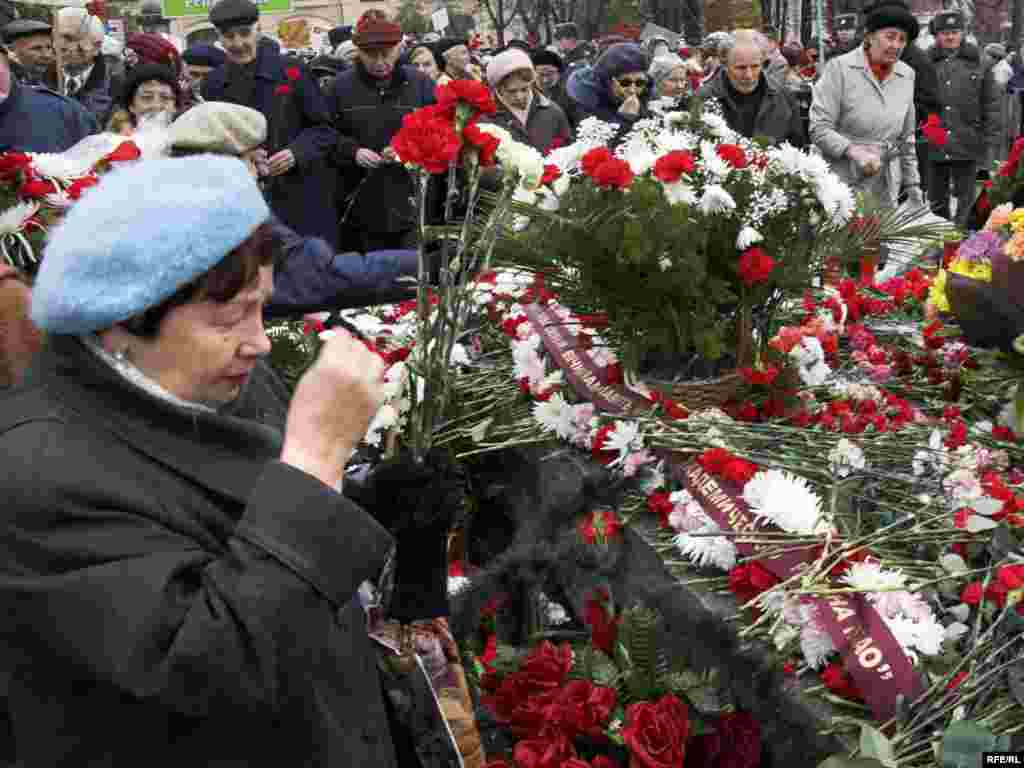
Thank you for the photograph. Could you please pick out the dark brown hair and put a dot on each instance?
(221, 283)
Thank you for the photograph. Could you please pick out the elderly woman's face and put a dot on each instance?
(674, 84)
(629, 84)
(515, 90)
(886, 45)
(152, 97)
(424, 61)
(205, 350)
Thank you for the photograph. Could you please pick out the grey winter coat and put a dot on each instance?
(778, 117)
(850, 106)
(970, 102)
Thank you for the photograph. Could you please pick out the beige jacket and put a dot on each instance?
(850, 106)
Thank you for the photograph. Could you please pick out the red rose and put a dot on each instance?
(583, 708)
(601, 761)
(733, 154)
(532, 713)
(126, 150)
(840, 683)
(760, 376)
(427, 140)
(282, 90)
(655, 733)
(741, 740)
(592, 159)
(972, 593)
(613, 174)
(543, 752)
(547, 665)
(670, 168)
(37, 188)
(483, 141)
(293, 73)
(755, 266)
(470, 92)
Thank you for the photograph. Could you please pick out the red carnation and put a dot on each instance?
(427, 140)
(660, 503)
(760, 376)
(470, 92)
(551, 174)
(840, 683)
(592, 159)
(733, 154)
(613, 174)
(293, 73)
(669, 168)
(932, 130)
(37, 188)
(755, 266)
(78, 186)
(126, 150)
(12, 162)
(282, 90)
(972, 593)
(485, 142)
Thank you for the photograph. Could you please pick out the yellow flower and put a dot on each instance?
(999, 217)
(937, 292)
(1014, 247)
(1017, 220)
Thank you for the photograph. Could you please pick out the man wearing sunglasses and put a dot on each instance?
(753, 105)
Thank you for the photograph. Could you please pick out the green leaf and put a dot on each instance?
(965, 740)
(874, 744)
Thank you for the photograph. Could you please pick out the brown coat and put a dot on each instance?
(19, 338)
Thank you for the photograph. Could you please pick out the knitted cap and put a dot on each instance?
(618, 60)
(505, 63)
(891, 13)
(374, 30)
(204, 55)
(154, 49)
(218, 127)
(141, 234)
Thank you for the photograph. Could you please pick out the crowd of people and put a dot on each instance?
(182, 555)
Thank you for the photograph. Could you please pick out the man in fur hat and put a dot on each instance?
(970, 113)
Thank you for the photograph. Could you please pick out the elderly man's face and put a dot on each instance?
(949, 39)
(34, 51)
(195, 73)
(674, 84)
(75, 44)
(380, 62)
(743, 67)
(206, 350)
(240, 43)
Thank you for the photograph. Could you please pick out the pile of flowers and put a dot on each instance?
(683, 223)
(36, 188)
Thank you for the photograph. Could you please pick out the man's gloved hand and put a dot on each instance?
(419, 501)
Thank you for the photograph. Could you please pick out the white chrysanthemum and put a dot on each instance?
(62, 166)
(555, 415)
(640, 158)
(625, 438)
(816, 645)
(846, 457)
(13, 219)
(456, 584)
(788, 158)
(785, 500)
(704, 549)
(913, 636)
(716, 200)
(664, 263)
(679, 193)
(835, 197)
(717, 125)
(871, 577)
(747, 237)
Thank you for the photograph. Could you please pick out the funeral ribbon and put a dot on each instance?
(872, 656)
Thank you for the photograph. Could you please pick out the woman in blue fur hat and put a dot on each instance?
(615, 89)
(179, 571)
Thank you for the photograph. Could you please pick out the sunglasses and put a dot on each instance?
(638, 83)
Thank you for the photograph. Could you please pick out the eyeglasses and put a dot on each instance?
(627, 82)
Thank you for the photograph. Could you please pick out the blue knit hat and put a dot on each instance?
(618, 60)
(144, 232)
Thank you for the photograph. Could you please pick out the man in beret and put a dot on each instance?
(299, 185)
(200, 60)
(969, 101)
(37, 119)
(31, 46)
(368, 102)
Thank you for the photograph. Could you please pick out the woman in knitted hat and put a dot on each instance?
(151, 48)
(523, 110)
(151, 94)
(669, 74)
(616, 88)
(863, 118)
(181, 571)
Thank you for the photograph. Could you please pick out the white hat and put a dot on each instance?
(218, 127)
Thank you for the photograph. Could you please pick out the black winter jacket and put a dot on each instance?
(173, 594)
(368, 112)
(970, 106)
(778, 117)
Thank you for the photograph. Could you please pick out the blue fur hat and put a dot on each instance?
(142, 233)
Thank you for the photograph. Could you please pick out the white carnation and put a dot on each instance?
(716, 200)
(679, 193)
(785, 500)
